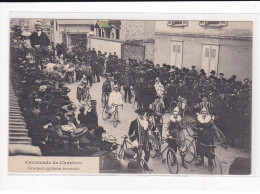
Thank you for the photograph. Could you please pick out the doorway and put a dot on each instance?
(176, 54)
(210, 58)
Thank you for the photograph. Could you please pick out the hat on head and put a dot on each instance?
(55, 67)
(69, 115)
(82, 109)
(43, 88)
(171, 71)
(38, 100)
(221, 73)
(93, 102)
(176, 110)
(140, 111)
(193, 66)
(246, 79)
(79, 132)
(99, 130)
(213, 72)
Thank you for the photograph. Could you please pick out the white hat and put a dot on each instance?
(176, 109)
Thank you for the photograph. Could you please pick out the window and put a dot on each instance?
(92, 27)
(177, 23)
(117, 33)
(213, 23)
(99, 32)
(107, 32)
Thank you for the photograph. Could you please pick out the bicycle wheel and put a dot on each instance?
(190, 151)
(115, 119)
(172, 106)
(145, 167)
(105, 113)
(216, 165)
(190, 124)
(223, 141)
(153, 151)
(172, 161)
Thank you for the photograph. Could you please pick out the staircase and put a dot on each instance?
(18, 134)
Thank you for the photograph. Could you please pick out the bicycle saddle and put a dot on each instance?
(124, 136)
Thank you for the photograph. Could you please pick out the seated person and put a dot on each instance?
(175, 129)
(91, 116)
(115, 98)
(82, 117)
(206, 131)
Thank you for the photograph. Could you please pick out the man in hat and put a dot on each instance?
(82, 117)
(87, 71)
(139, 135)
(175, 130)
(91, 116)
(115, 98)
(212, 74)
(38, 38)
(127, 82)
(149, 94)
(181, 90)
(193, 71)
(206, 130)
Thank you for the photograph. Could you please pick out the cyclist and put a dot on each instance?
(157, 108)
(115, 98)
(204, 104)
(175, 129)
(106, 88)
(206, 130)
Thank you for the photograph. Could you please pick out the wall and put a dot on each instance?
(149, 50)
(132, 30)
(74, 29)
(235, 56)
(233, 28)
(133, 52)
(106, 45)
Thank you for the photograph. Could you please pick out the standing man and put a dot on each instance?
(127, 81)
(39, 41)
(139, 132)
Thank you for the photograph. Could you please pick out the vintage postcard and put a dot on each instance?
(130, 96)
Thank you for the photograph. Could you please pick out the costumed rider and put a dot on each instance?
(175, 130)
(139, 135)
(115, 98)
(206, 130)
(157, 108)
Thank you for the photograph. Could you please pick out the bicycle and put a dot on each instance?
(157, 141)
(223, 140)
(105, 114)
(182, 104)
(191, 154)
(121, 153)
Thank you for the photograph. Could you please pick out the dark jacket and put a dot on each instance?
(41, 40)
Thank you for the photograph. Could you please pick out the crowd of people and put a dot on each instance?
(39, 74)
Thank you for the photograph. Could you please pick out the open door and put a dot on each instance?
(210, 58)
(176, 54)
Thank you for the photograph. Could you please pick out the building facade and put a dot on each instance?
(70, 32)
(225, 47)
(127, 38)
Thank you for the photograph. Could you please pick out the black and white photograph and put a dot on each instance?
(143, 96)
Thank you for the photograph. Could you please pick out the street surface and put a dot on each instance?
(127, 114)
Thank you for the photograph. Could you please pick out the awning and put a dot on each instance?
(102, 24)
